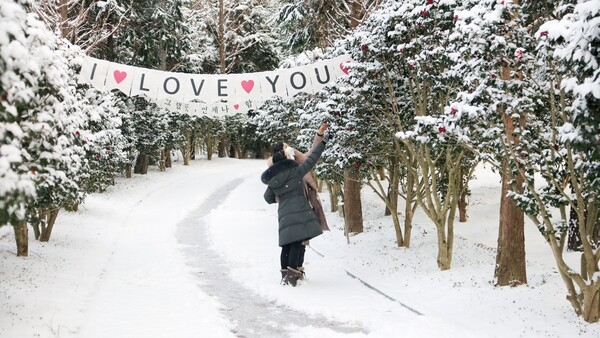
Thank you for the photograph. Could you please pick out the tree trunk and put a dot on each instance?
(222, 152)
(352, 201)
(187, 150)
(161, 160)
(334, 193)
(462, 202)
(209, 141)
(510, 259)
(193, 148)
(221, 38)
(50, 221)
(409, 207)
(591, 306)
(222, 146)
(21, 237)
(445, 230)
(444, 257)
(222, 149)
(128, 171)
(510, 256)
(141, 164)
(168, 162)
(64, 19)
(35, 225)
(574, 240)
(393, 196)
(381, 171)
(232, 152)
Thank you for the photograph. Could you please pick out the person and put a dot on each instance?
(296, 217)
(310, 189)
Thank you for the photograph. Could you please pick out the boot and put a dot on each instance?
(283, 273)
(291, 277)
(302, 273)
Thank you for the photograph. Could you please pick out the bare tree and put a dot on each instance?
(85, 23)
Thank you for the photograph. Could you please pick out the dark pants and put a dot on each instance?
(292, 255)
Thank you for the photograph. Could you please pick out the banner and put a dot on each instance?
(219, 94)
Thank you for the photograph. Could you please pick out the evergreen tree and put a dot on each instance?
(543, 97)
(306, 25)
(156, 35)
(150, 125)
(18, 89)
(105, 146)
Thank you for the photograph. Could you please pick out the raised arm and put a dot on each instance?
(316, 151)
(300, 157)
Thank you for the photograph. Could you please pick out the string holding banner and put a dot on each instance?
(234, 89)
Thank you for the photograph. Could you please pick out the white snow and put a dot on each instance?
(115, 268)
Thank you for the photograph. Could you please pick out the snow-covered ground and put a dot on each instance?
(122, 267)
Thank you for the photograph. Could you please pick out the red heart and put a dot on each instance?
(236, 106)
(248, 85)
(343, 68)
(119, 76)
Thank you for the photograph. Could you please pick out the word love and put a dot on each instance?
(173, 84)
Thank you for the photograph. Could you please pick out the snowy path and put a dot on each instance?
(194, 254)
(128, 276)
(254, 316)
(138, 291)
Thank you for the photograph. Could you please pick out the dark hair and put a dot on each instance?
(279, 156)
(275, 147)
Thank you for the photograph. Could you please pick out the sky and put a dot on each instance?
(192, 252)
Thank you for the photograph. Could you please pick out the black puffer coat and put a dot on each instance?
(297, 220)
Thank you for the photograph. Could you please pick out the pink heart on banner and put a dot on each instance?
(343, 68)
(236, 106)
(248, 85)
(119, 76)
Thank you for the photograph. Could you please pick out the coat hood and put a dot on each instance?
(272, 175)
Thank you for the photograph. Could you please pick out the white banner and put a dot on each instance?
(239, 91)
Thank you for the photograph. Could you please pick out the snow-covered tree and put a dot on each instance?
(155, 36)
(22, 39)
(88, 24)
(306, 25)
(209, 131)
(241, 35)
(105, 146)
(568, 146)
(181, 132)
(203, 54)
(405, 68)
(546, 98)
(275, 121)
(489, 38)
(39, 102)
(242, 138)
(150, 125)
